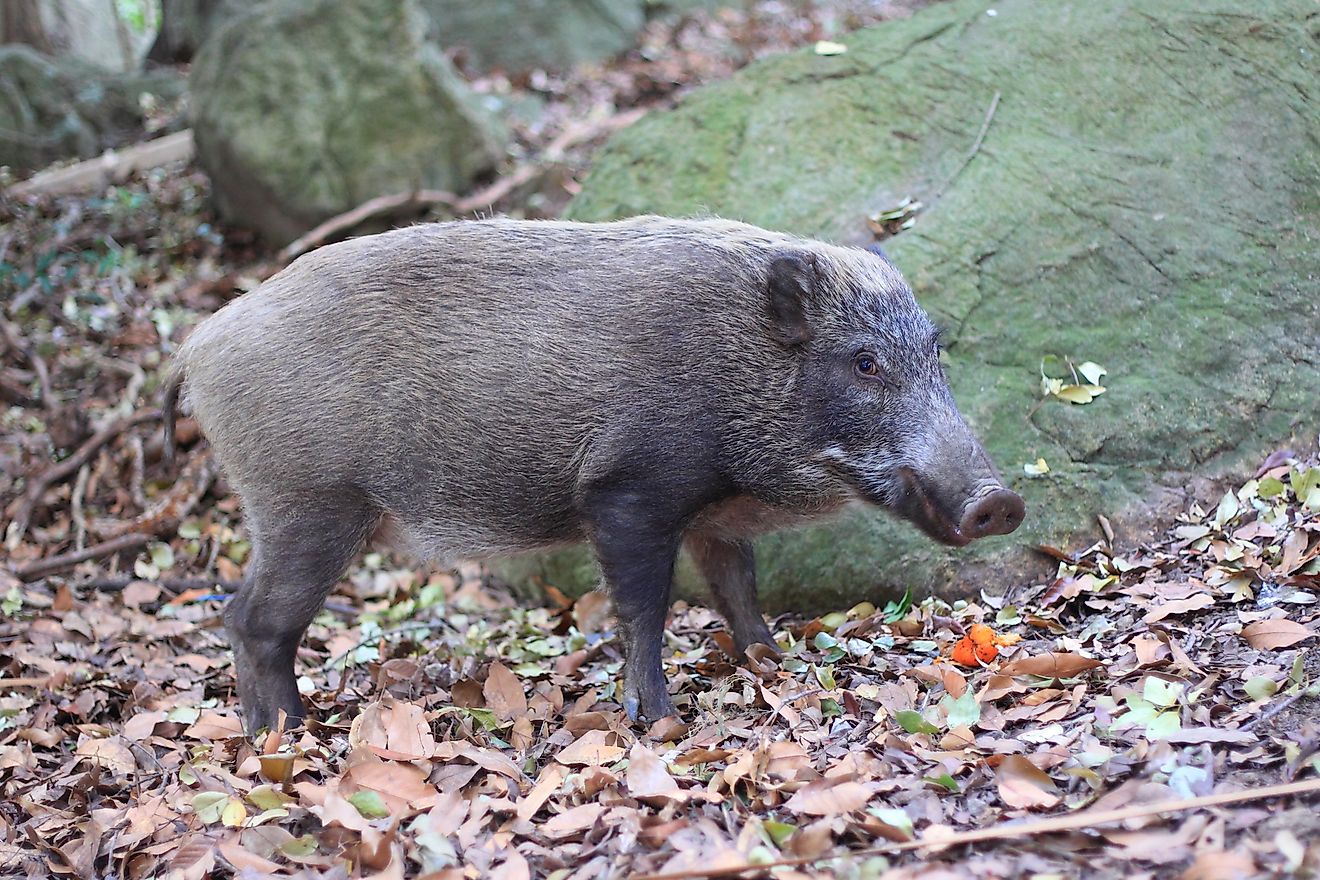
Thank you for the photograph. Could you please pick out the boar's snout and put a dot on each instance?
(994, 510)
(997, 512)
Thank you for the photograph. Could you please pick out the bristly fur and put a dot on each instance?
(496, 386)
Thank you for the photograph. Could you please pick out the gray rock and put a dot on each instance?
(1146, 196)
(304, 109)
(523, 34)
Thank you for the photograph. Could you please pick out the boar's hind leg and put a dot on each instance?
(636, 549)
(730, 569)
(300, 547)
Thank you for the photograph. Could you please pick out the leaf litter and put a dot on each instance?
(456, 733)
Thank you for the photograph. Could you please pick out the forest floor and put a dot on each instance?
(1127, 717)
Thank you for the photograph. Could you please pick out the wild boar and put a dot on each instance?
(499, 386)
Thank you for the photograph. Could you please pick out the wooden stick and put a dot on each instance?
(1070, 822)
(113, 166)
(38, 486)
(478, 201)
(51, 564)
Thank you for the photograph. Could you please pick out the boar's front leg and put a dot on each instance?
(636, 544)
(729, 567)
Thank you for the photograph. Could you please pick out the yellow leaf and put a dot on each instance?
(1037, 469)
(234, 813)
(1079, 393)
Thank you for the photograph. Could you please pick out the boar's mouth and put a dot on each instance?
(924, 508)
(991, 510)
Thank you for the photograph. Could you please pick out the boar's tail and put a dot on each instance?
(169, 409)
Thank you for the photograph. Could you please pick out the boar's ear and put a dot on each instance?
(792, 282)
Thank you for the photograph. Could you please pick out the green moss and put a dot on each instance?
(1144, 197)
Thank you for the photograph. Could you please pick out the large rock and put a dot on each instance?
(52, 109)
(523, 34)
(305, 108)
(1146, 196)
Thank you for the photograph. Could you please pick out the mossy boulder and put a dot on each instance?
(520, 35)
(1145, 195)
(303, 109)
(60, 108)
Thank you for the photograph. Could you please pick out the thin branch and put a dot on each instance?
(42, 567)
(166, 514)
(1072, 822)
(37, 487)
(976, 146)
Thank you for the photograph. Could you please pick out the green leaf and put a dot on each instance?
(834, 620)
(894, 818)
(209, 805)
(1009, 615)
(962, 712)
(1164, 725)
(778, 831)
(824, 641)
(13, 601)
(896, 611)
(1269, 487)
(1261, 687)
(825, 676)
(268, 797)
(485, 717)
(943, 779)
(1159, 692)
(911, 721)
(369, 804)
(299, 847)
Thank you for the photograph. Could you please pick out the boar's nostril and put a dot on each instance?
(996, 513)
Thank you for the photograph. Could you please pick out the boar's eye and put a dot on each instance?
(866, 365)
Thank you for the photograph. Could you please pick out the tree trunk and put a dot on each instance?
(20, 22)
(184, 24)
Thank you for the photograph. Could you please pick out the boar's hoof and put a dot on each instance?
(998, 512)
(642, 703)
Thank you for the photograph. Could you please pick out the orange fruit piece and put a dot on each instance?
(980, 646)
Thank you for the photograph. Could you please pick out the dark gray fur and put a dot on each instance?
(493, 387)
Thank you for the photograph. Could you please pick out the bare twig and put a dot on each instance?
(1072, 822)
(37, 487)
(479, 201)
(165, 515)
(173, 586)
(976, 146)
(51, 564)
(79, 518)
(16, 341)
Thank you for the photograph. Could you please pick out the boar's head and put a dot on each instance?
(878, 410)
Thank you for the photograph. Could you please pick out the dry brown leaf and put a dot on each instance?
(827, 798)
(593, 748)
(1024, 785)
(647, 777)
(1179, 606)
(504, 693)
(573, 821)
(1055, 665)
(1271, 635)
(1221, 865)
